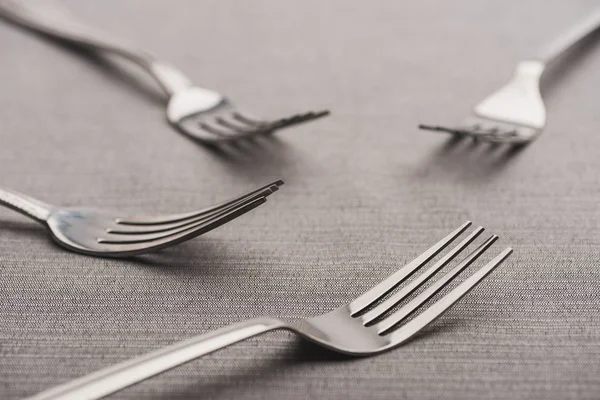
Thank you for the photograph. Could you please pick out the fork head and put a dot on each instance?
(371, 324)
(513, 114)
(211, 118)
(101, 233)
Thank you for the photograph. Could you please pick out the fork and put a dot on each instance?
(516, 112)
(203, 114)
(366, 326)
(103, 233)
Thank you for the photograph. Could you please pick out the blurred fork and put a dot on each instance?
(203, 114)
(516, 113)
(363, 327)
(102, 233)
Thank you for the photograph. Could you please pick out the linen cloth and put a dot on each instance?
(365, 192)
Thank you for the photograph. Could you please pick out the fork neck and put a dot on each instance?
(25, 205)
(117, 377)
(54, 19)
(586, 27)
(170, 79)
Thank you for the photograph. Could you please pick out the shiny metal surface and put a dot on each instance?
(200, 113)
(348, 329)
(101, 233)
(516, 113)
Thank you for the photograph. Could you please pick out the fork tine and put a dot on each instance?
(399, 276)
(269, 127)
(298, 118)
(439, 307)
(233, 131)
(218, 132)
(167, 219)
(437, 128)
(383, 307)
(147, 229)
(243, 130)
(122, 249)
(473, 129)
(418, 301)
(115, 238)
(248, 120)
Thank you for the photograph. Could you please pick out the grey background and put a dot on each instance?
(365, 192)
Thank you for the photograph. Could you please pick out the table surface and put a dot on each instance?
(365, 192)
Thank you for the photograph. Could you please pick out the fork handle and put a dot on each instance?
(25, 205)
(52, 18)
(112, 379)
(569, 38)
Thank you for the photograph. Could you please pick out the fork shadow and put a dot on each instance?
(258, 157)
(469, 159)
(299, 354)
(183, 259)
(24, 227)
(186, 261)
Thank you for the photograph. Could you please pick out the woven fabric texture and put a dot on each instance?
(365, 192)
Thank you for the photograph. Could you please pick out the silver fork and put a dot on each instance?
(516, 112)
(365, 326)
(103, 233)
(201, 113)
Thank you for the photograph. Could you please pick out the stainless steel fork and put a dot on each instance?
(516, 112)
(102, 233)
(200, 113)
(363, 327)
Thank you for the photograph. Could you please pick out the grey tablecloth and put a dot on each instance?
(366, 191)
